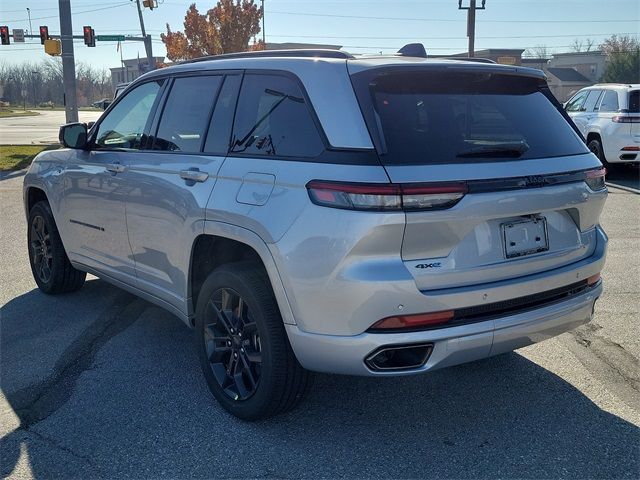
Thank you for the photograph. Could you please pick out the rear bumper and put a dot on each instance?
(614, 144)
(451, 346)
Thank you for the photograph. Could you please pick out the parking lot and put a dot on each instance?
(99, 383)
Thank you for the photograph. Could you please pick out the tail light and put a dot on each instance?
(593, 279)
(414, 321)
(385, 197)
(626, 119)
(630, 149)
(595, 179)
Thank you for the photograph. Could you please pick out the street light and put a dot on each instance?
(30, 29)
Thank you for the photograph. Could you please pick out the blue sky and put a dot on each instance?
(361, 26)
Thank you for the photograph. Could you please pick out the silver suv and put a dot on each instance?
(312, 211)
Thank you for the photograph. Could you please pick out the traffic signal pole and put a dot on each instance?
(147, 39)
(68, 62)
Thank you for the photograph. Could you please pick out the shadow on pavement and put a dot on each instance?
(624, 175)
(139, 408)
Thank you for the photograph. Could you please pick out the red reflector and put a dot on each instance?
(414, 321)
(593, 279)
(631, 149)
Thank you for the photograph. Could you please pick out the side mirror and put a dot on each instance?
(73, 135)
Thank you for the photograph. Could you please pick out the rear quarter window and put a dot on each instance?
(634, 101)
(440, 118)
(273, 119)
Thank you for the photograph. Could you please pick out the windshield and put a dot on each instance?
(436, 117)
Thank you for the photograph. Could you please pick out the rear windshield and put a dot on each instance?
(435, 118)
(634, 101)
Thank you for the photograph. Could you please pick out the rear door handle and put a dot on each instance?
(193, 175)
(115, 167)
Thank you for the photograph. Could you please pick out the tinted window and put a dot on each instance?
(591, 100)
(124, 126)
(576, 102)
(609, 102)
(634, 101)
(186, 114)
(221, 122)
(462, 118)
(273, 119)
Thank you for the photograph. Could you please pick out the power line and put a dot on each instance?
(74, 13)
(366, 17)
(446, 38)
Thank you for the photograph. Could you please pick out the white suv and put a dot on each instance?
(608, 117)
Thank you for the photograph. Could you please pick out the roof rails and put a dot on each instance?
(472, 59)
(311, 53)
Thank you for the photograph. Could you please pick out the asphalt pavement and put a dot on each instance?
(38, 129)
(100, 384)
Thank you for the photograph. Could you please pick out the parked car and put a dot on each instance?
(608, 116)
(105, 102)
(101, 104)
(311, 211)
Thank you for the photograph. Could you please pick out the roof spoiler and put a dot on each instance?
(413, 50)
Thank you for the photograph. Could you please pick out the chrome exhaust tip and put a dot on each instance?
(399, 357)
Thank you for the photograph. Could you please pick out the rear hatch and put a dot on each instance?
(496, 142)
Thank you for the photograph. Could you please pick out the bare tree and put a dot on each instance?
(579, 45)
(42, 83)
(539, 51)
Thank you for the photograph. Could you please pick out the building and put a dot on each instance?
(590, 65)
(506, 56)
(300, 46)
(130, 70)
(564, 82)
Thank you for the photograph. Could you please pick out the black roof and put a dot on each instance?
(568, 75)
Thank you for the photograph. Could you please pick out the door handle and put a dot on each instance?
(193, 175)
(116, 167)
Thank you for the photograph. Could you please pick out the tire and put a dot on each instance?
(50, 265)
(236, 313)
(596, 148)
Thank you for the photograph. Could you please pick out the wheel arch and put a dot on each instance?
(222, 243)
(32, 195)
(594, 136)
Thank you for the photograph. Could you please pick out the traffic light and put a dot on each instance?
(44, 34)
(4, 34)
(89, 36)
(150, 4)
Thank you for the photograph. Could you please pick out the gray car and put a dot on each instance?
(312, 211)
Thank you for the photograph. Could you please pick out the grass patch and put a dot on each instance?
(16, 157)
(17, 113)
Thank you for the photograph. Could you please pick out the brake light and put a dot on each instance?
(630, 149)
(593, 279)
(414, 321)
(385, 197)
(595, 179)
(626, 119)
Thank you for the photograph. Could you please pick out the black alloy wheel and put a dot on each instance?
(244, 351)
(233, 344)
(41, 250)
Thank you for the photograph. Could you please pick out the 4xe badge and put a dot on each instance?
(429, 265)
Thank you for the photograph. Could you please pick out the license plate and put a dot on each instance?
(525, 237)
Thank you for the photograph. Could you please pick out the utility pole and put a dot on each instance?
(263, 35)
(68, 62)
(147, 39)
(471, 23)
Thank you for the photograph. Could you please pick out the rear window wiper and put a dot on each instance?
(505, 150)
